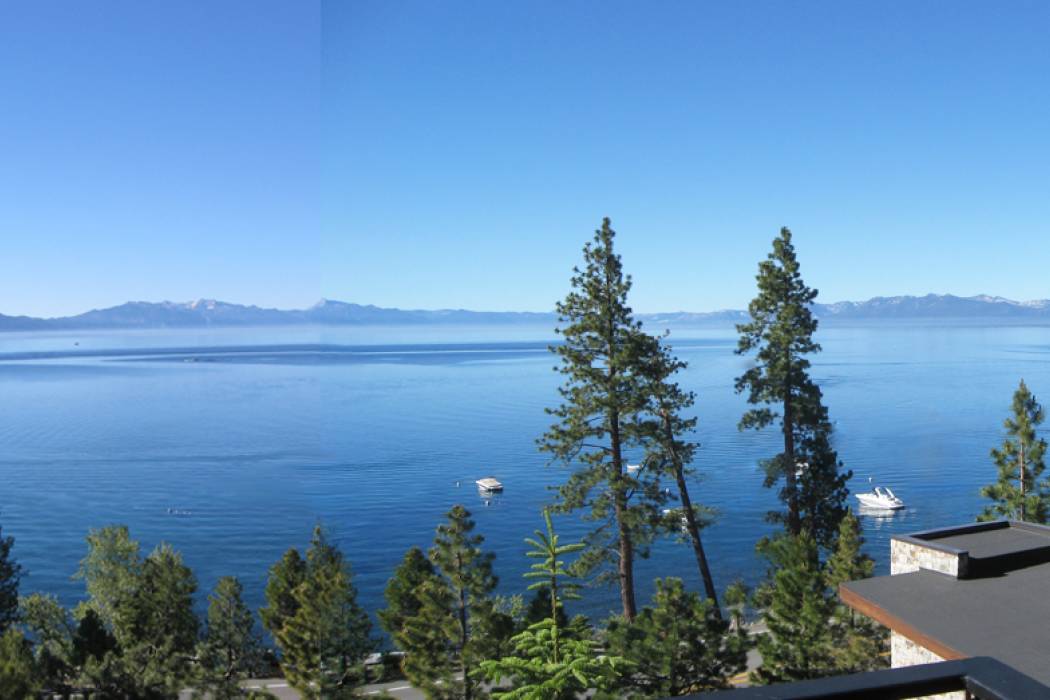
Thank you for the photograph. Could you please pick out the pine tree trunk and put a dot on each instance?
(794, 527)
(626, 563)
(690, 518)
(464, 637)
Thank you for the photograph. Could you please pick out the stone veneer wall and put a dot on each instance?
(904, 652)
(906, 557)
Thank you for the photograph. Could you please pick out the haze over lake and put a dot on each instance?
(231, 444)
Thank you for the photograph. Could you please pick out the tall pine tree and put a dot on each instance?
(780, 334)
(1019, 493)
(669, 401)
(604, 415)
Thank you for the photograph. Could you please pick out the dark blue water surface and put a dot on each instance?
(232, 444)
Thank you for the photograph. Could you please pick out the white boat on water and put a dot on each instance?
(489, 485)
(881, 498)
(633, 469)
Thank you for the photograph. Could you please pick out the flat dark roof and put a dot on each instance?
(993, 543)
(1002, 611)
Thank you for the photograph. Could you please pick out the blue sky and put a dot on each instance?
(458, 154)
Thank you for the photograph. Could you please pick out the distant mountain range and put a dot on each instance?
(207, 312)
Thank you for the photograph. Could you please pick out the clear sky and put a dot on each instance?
(458, 154)
(159, 149)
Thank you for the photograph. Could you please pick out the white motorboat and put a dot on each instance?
(633, 469)
(881, 498)
(489, 485)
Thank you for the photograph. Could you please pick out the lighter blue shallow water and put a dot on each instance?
(252, 436)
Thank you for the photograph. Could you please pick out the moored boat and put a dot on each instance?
(881, 498)
(489, 485)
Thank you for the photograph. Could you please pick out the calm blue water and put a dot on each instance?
(252, 436)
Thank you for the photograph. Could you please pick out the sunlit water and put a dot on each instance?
(232, 444)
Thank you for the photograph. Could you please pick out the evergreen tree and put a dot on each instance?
(428, 638)
(10, 575)
(326, 641)
(550, 663)
(444, 642)
(18, 675)
(139, 616)
(780, 334)
(285, 576)
(581, 667)
(110, 570)
(52, 628)
(231, 650)
(858, 641)
(552, 574)
(669, 400)
(157, 628)
(94, 656)
(402, 593)
(1019, 494)
(677, 646)
(604, 414)
(797, 611)
(539, 609)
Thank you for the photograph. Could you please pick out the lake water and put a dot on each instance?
(232, 444)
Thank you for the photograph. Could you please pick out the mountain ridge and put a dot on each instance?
(215, 313)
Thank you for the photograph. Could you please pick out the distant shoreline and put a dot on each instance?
(207, 313)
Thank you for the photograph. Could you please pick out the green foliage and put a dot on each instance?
(430, 642)
(325, 640)
(677, 646)
(157, 627)
(551, 573)
(285, 576)
(52, 628)
(18, 674)
(402, 597)
(110, 570)
(1019, 494)
(92, 642)
(10, 575)
(606, 410)
(550, 662)
(550, 666)
(859, 643)
(138, 630)
(798, 608)
(670, 449)
(452, 633)
(231, 650)
(780, 334)
(539, 608)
